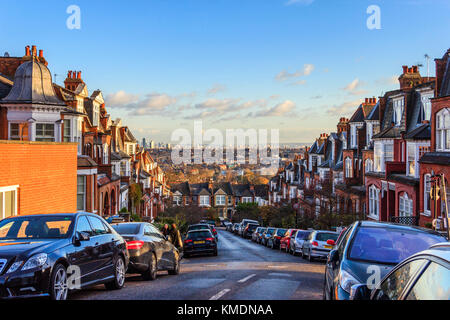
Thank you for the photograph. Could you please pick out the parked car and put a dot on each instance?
(266, 235)
(201, 226)
(274, 241)
(297, 239)
(319, 244)
(244, 224)
(206, 221)
(37, 250)
(200, 242)
(115, 219)
(424, 276)
(235, 228)
(367, 245)
(150, 251)
(249, 229)
(257, 233)
(230, 227)
(286, 239)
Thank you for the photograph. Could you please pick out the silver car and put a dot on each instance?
(296, 242)
(319, 244)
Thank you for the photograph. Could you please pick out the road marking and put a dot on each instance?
(220, 294)
(247, 278)
(277, 267)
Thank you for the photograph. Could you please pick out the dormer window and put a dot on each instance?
(399, 105)
(426, 106)
(353, 142)
(443, 130)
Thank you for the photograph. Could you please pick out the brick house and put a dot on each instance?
(435, 165)
(392, 188)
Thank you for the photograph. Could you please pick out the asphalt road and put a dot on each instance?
(243, 270)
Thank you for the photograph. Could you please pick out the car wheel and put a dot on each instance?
(119, 276)
(152, 270)
(176, 268)
(58, 283)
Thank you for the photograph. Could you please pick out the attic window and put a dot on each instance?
(399, 105)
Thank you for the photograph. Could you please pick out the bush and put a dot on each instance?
(135, 218)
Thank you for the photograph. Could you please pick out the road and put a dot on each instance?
(243, 270)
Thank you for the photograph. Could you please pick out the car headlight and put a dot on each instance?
(36, 261)
(14, 266)
(346, 280)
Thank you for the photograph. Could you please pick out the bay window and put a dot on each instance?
(220, 200)
(67, 131)
(405, 206)
(204, 200)
(45, 132)
(443, 130)
(81, 193)
(374, 206)
(348, 168)
(411, 159)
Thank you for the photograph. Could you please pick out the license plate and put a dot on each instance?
(328, 247)
(199, 242)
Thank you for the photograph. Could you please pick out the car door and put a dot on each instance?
(292, 240)
(82, 252)
(103, 248)
(160, 246)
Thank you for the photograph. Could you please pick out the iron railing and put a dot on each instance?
(410, 221)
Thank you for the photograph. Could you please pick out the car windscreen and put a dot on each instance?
(270, 231)
(38, 227)
(252, 226)
(199, 235)
(281, 232)
(303, 235)
(324, 236)
(390, 245)
(199, 227)
(127, 228)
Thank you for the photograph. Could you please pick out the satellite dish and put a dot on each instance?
(6, 55)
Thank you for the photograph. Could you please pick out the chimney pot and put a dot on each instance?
(27, 51)
(41, 53)
(33, 50)
(69, 74)
(79, 75)
(367, 100)
(405, 69)
(415, 69)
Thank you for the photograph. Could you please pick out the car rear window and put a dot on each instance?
(270, 231)
(199, 227)
(303, 235)
(199, 235)
(390, 245)
(281, 232)
(324, 236)
(127, 228)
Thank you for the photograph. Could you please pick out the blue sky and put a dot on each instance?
(295, 65)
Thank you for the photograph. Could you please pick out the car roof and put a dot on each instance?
(396, 225)
(199, 224)
(327, 231)
(199, 230)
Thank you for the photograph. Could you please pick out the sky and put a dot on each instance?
(293, 65)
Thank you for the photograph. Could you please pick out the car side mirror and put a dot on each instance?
(331, 242)
(81, 236)
(359, 292)
(333, 257)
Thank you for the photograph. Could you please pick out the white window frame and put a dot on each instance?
(399, 107)
(220, 199)
(368, 166)
(69, 136)
(44, 137)
(348, 168)
(405, 206)
(247, 199)
(426, 194)
(3, 190)
(443, 130)
(374, 202)
(204, 203)
(84, 193)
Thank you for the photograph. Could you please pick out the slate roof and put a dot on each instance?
(445, 86)
(421, 132)
(374, 114)
(261, 190)
(85, 161)
(358, 116)
(436, 157)
(183, 188)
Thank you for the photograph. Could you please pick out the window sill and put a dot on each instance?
(426, 214)
(373, 217)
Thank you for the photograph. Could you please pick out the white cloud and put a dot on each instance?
(281, 109)
(120, 98)
(354, 87)
(344, 109)
(285, 75)
(216, 88)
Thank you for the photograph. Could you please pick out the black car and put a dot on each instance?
(274, 240)
(369, 249)
(200, 242)
(424, 276)
(48, 255)
(201, 226)
(150, 251)
(249, 229)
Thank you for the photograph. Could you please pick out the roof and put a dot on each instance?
(33, 84)
(358, 116)
(436, 158)
(374, 114)
(445, 86)
(421, 132)
(183, 188)
(86, 161)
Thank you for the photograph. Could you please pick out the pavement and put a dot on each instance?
(243, 270)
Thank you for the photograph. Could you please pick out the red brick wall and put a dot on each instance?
(45, 172)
